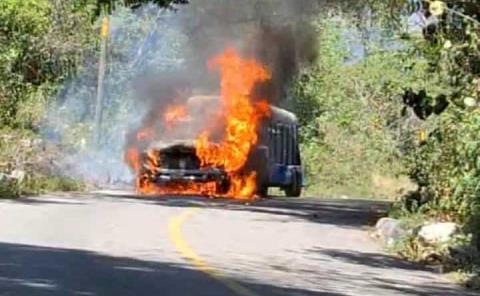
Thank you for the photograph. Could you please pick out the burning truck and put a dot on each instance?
(227, 145)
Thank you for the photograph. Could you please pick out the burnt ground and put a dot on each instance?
(112, 243)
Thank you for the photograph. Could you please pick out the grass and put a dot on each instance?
(371, 187)
(19, 150)
(469, 280)
(37, 185)
(354, 166)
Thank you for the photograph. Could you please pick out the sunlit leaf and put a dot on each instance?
(437, 8)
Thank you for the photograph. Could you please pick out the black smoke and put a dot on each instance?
(278, 33)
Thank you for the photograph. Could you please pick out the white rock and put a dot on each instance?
(438, 232)
(18, 175)
(389, 230)
(470, 102)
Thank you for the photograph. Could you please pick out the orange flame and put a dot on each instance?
(132, 158)
(242, 120)
(175, 114)
(238, 79)
(145, 134)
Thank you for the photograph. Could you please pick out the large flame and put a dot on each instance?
(238, 79)
(242, 117)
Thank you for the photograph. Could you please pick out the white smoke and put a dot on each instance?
(151, 51)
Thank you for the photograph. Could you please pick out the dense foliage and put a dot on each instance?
(37, 50)
(42, 42)
(447, 164)
(356, 132)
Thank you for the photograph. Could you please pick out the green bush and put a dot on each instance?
(26, 166)
(38, 184)
(447, 164)
(354, 132)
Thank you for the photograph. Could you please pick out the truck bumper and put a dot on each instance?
(163, 176)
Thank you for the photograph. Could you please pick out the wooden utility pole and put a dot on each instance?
(105, 30)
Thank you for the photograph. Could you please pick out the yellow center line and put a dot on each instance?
(176, 237)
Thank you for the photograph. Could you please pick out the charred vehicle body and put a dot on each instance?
(275, 159)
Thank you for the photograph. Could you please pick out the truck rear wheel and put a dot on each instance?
(295, 188)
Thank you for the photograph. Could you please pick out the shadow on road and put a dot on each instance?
(368, 259)
(378, 271)
(342, 213)
(33, 270)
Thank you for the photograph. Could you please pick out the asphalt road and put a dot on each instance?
(111, 244)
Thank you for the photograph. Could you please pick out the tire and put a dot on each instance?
(295, 189)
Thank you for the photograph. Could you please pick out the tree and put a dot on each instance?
(109, 5)
(446, 164)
